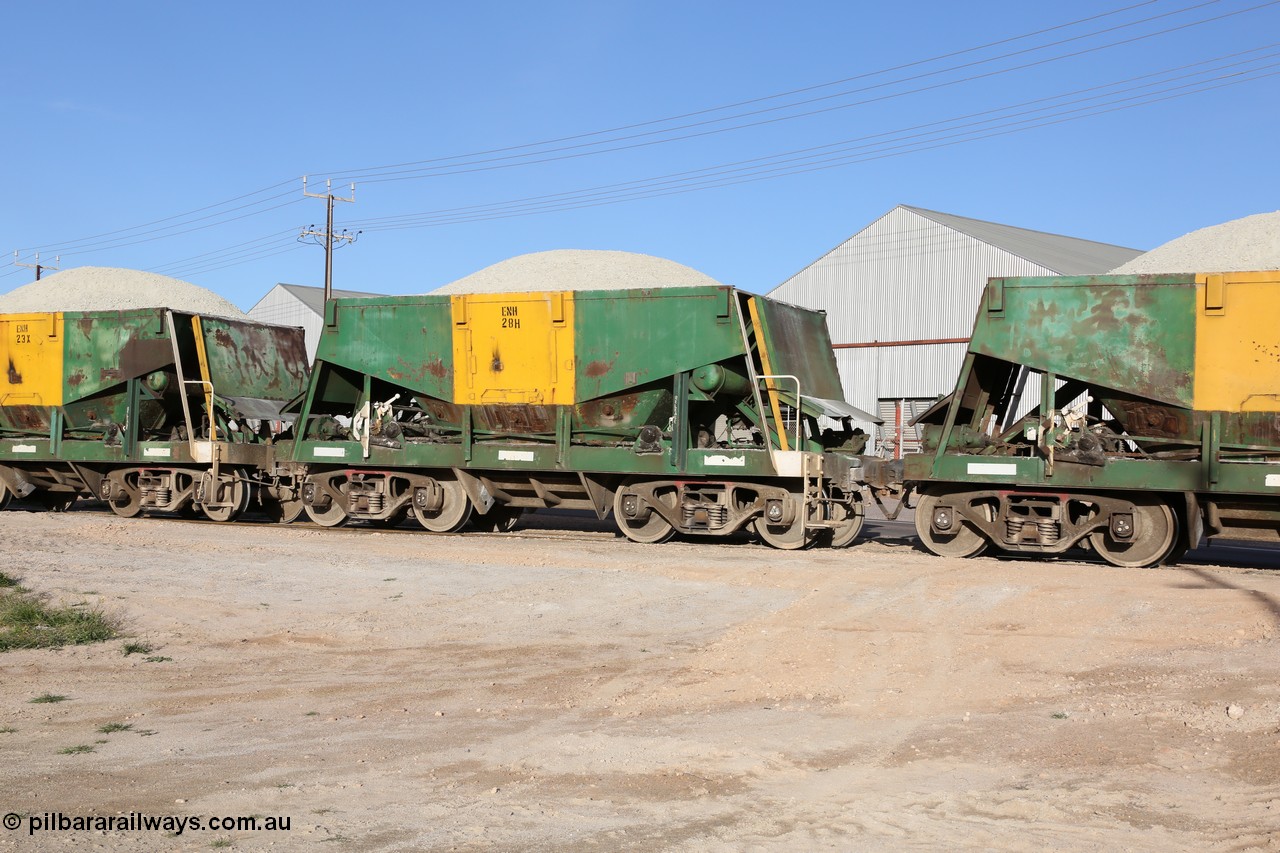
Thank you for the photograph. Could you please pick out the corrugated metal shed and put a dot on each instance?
(298, 305)
(900, 295)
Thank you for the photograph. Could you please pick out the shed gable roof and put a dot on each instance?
(313, 297)
(1064, 255)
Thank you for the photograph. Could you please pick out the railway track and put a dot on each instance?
(583, 527)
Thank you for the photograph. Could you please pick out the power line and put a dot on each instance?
(189, 222)
(120, 245)
(474, 164)
(76, 243)
(770, 166)
(763, 175)
(263, 254)
(127, 236)
(251, 250)
(451, 215)
(357, 172)
(884, 153)
(206, 256)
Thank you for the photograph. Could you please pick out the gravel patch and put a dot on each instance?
(114, 289)
(1241, 245)
(579, 269)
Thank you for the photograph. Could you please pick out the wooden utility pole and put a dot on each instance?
(37, 266)
(327, 238)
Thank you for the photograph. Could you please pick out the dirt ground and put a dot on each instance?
(574, 691)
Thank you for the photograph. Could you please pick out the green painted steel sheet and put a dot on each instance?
(106, 348)
(731, 463)
(1246, 478)
(799, 345)
(405, 340)
(254, 360)
(1130, 333)
(628, 338)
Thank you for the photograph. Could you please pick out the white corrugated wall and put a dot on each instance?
(902, 278)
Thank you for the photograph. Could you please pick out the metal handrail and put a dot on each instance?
(213, 417)
(799, 402)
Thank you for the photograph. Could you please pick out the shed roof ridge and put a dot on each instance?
(952, 220)
(308, 288)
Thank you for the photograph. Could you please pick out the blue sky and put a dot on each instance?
(181, 130)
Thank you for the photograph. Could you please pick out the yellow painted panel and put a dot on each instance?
(513, 348)
(1238, 342)
(31, 356)
(768, 371)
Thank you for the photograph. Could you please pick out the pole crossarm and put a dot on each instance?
(327, 235)
(36, 265)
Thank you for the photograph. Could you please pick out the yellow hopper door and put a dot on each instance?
(513, 348)
(1237, 365)
(31, 359)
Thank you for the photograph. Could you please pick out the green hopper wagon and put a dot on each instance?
(1157, 419)
(151, 410)
(686, 409)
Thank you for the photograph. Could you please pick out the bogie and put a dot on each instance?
(1127, 529)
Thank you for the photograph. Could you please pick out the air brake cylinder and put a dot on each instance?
(716, 378)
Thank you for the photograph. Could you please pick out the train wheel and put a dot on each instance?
(454, 511)
(280, 505)
(331, 516)
(648, 531)
(125, 500)
(1155, 532)
(236, 495)
(789, 537)
(848, 523)
(965, 542)
(499, 519)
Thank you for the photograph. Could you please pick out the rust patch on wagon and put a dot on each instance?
(28, 417)
(410, 373)
(223, 339)
(1148, 418)
(596, 369)
(1267, 350)
(517, 418)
